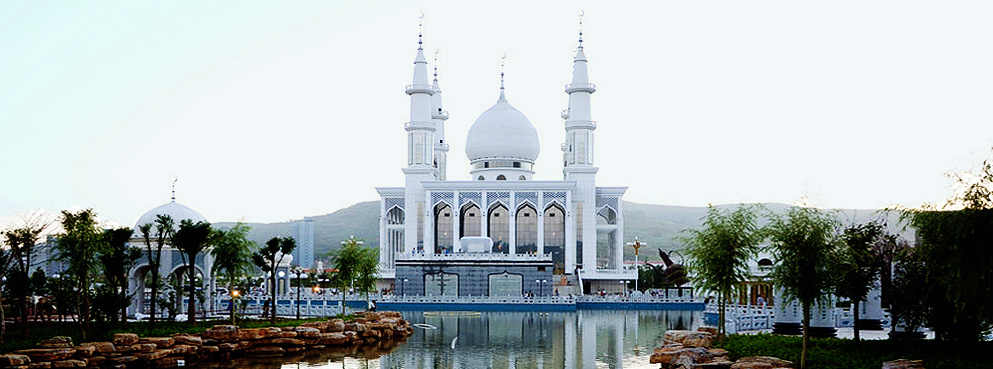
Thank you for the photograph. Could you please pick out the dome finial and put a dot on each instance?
(420, 31)
(581, 14)
(436, 64)
(502, 59)
(174, 179)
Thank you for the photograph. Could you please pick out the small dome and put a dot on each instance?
(502, 132)
(175, 210)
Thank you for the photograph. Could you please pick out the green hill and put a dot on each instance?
(655, 225)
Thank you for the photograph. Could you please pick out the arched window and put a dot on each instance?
(555, 235)
(498, 226)
(480, 178)
(522, 178)
(443, 221)
(471, 221)
(527, 229)
(501, 178)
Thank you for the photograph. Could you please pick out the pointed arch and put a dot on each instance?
(526, 227)
(471, 220)
(554, 234)
(606, 215)
(444, 219)
(394, 216)
(498, 227)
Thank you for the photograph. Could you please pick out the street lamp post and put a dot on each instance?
(234, 304)
(403, 286)
(636, 245)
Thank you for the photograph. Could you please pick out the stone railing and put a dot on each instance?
(467, 256)
(565, 300)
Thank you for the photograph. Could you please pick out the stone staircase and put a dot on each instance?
(572, 286)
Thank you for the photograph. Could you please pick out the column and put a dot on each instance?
(513, 223)
(619, 237)
(541, 223)
(429, 246)
(484, 212)
(385, 247)
(570, 234)
(456, 221)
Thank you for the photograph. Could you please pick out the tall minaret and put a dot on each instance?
(578, 160)
(439, 116)
(420, 149)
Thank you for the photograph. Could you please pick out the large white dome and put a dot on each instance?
(502, 132)
(175, 210)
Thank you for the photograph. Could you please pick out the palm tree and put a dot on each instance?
(269, 257)
(117, 259)
(163, 231)
(191, 239)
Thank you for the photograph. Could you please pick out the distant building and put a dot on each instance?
(498, 232)
(303, 233)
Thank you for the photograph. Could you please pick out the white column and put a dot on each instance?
(428, 224)
(570, 234)
(541, 223)
(484, 221)
(512, 244)
(385, 247)
(619, 237)
(456, 222)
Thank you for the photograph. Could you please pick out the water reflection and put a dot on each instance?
(582, 339)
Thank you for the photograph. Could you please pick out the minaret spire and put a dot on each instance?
(581, 14)
(439, 116)
(502, 60)
(174, 179)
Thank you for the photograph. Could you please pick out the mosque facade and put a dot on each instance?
(498, 232)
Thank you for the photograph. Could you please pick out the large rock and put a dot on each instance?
(281, 342)
(308, 332)
(336, 325)
(755, 362)
(56, 342)
(266, 351)
(144, 347)
(95, 361)
(69, 364)
(209, 350)
(222, 332)
(154, 355)
(51, 354)
(85, 350)
(160, 342)
(102, 347)
(903, 364)
(170, 362)
(287, 334)
(125, 339)
(184, 349)
(14, 359)
(333, 339)
(185, 339)
(41, 365)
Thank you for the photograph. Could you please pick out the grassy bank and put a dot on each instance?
(105, 331)
(848, 354)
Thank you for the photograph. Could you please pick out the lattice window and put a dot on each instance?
(495, 197)
(470, 197)
(446, 197)
(553, 196)
(522, 197)
(606, 201)
(394, 201)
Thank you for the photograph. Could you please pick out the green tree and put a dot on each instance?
(117, 258)
(857, 265)
(803, 241)
(720, 252)
(268, 258)
(163, 228)
(356, 265)
(191, 239)
(81, 241)
(232, 254)
(21, 242)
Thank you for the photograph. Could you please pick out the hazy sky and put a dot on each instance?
(270, 111)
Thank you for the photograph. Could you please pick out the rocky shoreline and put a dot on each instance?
(220, 342)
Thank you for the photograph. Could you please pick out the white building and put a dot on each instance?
(303, 233)
(498, 199)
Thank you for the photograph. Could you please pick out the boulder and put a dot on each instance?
(676, 336)
(41, 365)
(336, 325)
(185, 349)
(287, 334)
(227, 346)
(754, 362)
(222, 332)
(333, 339)
(154, 355)
(698, 339)
(85, 350)
(281, 342)
(711, 330)
(125, 339)
(95, 360)
(185, 339)
(308, 332)
(170, 362)
(123, 359)
(719, 364)
(102, 347)
(320, 326)
(50, 354)
(209, 350)
(14, 359)
(56, 342)
(71, 363)
(903, 364)
(144, 347)
(160, 342)
(266, 351)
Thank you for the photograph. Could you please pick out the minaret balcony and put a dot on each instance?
(443, 115)
(420, 89)
(580, 124)
(413, 126)
(580, 87)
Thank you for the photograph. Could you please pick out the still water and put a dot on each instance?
(581, 339)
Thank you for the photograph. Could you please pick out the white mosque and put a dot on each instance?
(498, 231)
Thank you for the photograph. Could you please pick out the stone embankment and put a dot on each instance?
(691, 350)
(127, 350)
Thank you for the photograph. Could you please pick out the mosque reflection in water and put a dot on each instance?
(582, 339)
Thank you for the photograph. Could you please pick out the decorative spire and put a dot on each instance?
(420, 31)
(581, 14)
(174, 179)
(502, 59)
(436, 65)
